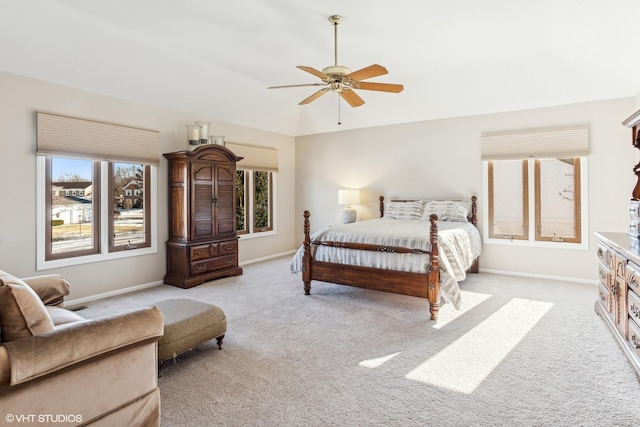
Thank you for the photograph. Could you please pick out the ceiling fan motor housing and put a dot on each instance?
(336, 71)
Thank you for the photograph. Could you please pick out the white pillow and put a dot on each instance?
(447, 210)
(404, 210)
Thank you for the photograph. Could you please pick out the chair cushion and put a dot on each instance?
(22, 313)
(62, 317)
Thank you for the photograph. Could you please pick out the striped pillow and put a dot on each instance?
(447, 210)
(404, 210)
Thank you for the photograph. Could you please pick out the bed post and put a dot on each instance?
(433, 276)
(381, 206)
(306, 257)
(475, 267)
(474, 211)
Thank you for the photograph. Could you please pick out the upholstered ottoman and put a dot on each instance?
(188, 323)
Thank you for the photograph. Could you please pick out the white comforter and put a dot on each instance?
(459, 245)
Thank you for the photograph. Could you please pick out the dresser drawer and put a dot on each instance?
(620, 265)
(605, 255)
(634, 337)
(633, 305)
(200, 252)
(633, 277)
(634, 209)
(605, 297)
(214, 264)
(603, 275)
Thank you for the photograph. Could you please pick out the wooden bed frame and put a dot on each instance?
(400, 282)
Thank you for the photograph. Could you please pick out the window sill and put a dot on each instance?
(66, 262)
(257, 235)
(583, 246)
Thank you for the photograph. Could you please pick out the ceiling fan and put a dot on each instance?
(340, 79)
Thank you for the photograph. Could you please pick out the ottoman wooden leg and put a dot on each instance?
(219, 340)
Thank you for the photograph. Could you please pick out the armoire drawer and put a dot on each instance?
(605, 297)
(229, 247)
(200, 252)
(214, 264)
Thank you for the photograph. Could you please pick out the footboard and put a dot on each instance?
(414, 284)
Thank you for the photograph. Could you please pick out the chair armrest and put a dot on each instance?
(43, 354)
(51, 288)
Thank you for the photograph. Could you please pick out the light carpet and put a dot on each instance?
(520, 352)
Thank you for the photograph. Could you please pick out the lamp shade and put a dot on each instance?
(348, 197)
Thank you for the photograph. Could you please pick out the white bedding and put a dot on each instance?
(459, 245)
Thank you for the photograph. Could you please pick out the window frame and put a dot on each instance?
(146, 185)
(250, 205)
(95, 202)
(581, 220)
(43, 210)
(525, 204)
(577, 211)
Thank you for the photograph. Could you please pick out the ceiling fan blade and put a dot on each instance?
(314, 72)
(382, 87)
(352, 98)
(308, 84)
(315, 96)
(368, 72)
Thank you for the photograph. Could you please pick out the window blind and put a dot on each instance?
(541, 143)
(255, 157)
(73, 137)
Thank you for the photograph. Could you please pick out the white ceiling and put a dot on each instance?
(216, 58)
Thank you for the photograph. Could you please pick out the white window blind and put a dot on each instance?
(80, 138)
(539, 143)
(255, 157)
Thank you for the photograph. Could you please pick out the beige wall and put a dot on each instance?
(21, 97)
(441, 159)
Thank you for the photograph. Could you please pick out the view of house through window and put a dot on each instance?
(73, 192)
(76, 225)
(550, 210)
(127, 184)
(254, 201)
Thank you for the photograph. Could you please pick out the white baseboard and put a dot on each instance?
(539, 276)
(255, 260)
(79, 301)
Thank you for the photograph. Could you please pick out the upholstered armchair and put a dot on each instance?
(59, 368)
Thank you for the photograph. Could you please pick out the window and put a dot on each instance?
(254, 201)
(76, 226)
(508, 200)
(70, 224)
(95, 201)
(129, 225)
(548, 211)
(536, 187)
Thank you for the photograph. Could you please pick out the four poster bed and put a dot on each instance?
(420, 248)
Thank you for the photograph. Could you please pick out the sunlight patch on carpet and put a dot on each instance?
(465, 363)
(448, 313)
(374, 363)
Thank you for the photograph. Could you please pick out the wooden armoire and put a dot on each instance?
(203, 244)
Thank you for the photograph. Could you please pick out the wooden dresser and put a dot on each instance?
(203, 244)
(619, 291)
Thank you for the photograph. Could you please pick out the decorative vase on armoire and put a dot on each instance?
(202, 244)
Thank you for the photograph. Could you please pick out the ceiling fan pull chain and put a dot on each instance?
(339, 121)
